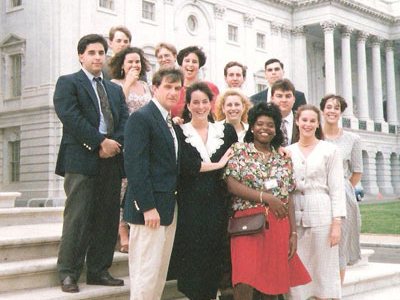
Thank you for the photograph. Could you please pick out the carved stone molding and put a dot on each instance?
(346, 31)
(248, 20)
(362, 36)
(328, 26)
(299, 31)
(219, 11)
(286, 30)
(275, 27)
(171, 2)
(389, 45)
(376, 40)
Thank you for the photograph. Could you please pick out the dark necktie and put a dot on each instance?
(171, 129)
(105, 106)
(285, 134)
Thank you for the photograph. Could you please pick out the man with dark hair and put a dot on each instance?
(273, 72)
(119, 39)
(93, 113)
(235, 74)
(151, 164)
(283, 95)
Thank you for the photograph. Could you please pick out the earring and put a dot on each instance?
(252, 131)
(122, 73)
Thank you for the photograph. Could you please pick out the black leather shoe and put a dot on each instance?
(68, 285)
(105, 279)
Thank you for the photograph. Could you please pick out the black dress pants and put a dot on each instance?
(91, 219)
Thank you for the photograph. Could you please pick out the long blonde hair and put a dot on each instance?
(219, 104)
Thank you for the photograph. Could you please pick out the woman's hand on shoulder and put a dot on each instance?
(284, 152)
(177, 120)
(225, 158)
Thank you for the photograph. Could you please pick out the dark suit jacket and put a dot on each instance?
(262, 96)
(78, 108)
(150, 165)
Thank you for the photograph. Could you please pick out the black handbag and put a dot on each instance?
(248, 225)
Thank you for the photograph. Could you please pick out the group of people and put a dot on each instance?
(193, 158)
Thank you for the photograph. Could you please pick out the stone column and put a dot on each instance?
(330, 83)
(300, 70)
(346, 71)
(286, 49)
(377, 79)
(220, 31)
(383, 176)
(362, 103)
(391, 108)
(369, 178)
(250, 41)
(275, 49)
(168, 20)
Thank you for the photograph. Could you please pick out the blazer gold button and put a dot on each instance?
(176, 193)
(244, 227)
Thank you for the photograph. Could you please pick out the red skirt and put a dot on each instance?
(261, 260)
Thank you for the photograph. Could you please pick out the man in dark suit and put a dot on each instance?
(283, 95)
(273, 72)
(93, 113)
(152, 165)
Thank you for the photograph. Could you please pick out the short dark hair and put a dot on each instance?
(318, 133)
(197, 86)
(121, 28)
(271, 61)
(283, 85)
(171, 48)
(173, 75)
(91, 39)
(192, 49)
(270, 110)
(232, 64)
(117, 62)
(342, 102)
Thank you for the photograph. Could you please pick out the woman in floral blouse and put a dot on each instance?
(261, 180)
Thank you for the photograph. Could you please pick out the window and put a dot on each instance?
(260, 87)
(232, 33)
(192, 23)
(15, 3)
(14, 160)
(109, 4)
(15, 78)
(148, 10)
(261, 40)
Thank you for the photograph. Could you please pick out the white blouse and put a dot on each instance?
(320, 193)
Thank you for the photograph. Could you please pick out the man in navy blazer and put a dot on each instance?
(152, 165)
(273, 72)
(93, 113)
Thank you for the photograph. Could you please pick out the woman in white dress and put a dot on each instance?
(332, 107)
(126, 67)
(232, 107)
(320, 205)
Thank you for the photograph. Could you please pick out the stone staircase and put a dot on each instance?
(29, 239)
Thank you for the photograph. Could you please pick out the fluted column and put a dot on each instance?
(362, 102)
(377, 79)
(300, 71)
(275, 40)
(220, 30)
(169, 19)
(391, 108)
(346, 71)
(330, 83)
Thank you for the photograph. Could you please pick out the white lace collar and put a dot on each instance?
(215, 139)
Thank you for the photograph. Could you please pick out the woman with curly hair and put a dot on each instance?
(261, 181)
(191, 59)
(126, 67)
(232, 107)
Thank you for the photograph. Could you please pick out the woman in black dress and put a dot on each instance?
(200, 245)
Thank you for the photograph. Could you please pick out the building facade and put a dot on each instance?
(348, 47)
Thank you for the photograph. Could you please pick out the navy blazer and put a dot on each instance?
(150, 166)
(300, 99)
(77, 107)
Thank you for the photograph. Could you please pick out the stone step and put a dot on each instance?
(30, 215)
(87, 292)
(392, 293)
(371, 277)
(365, 254)
(27, 242)
(39, 273)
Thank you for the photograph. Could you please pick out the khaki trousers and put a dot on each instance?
(149, 254)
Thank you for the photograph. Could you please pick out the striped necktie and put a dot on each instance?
(105, 106)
